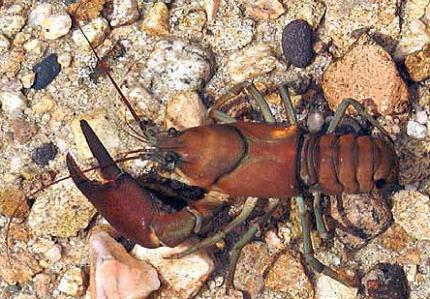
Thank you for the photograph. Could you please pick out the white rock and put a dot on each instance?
(124, 12)
(35, 47)
(54, 253)
(414, 37)
(27, 80)
(421, 117)
(416, 130)
(56, 26)
(95, 31)
(327, 287)
(13, 103)
(4, 44)
(211, 8)
(65, 59)
(185, 110)
(15, 9)
(11, 25)
(73, 282)
(183, 277)
(41, 12)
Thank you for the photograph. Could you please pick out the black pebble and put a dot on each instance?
(297, 43)
(46, 71)
(43, 154)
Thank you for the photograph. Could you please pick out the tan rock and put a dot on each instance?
(91, 10)
(251, 62)
(185, 110)
(183, 277)
(10, 199)
(116, 274)
(73, 282)
(395, 238)
(42, 285)
(418, 64)
(156, 20)
(264, 9)
(367, 74)
(287, 275)
(23, 267)
(96, 32)
(124, 12)
(312, 11)
(211, 8)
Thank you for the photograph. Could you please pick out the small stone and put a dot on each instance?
(13, 103)
(43, 154)
(156, 20)
(22, 268)
(297, 40)
(114, 271)
(54, 253)
(416, 130)
(125, 12)
(55, 26)
(254, 260)
(411, 211)
(327, 287)
(45, 104)
(395, 238)
(211, 8)
(183, 277)
(27, 80)
(418, 64)
(91, 10)
(65, 59)
(73, 282)
(311, 11)
(369, 75)
(23, 130)
(96, 32)
(175, 66)
(414, 38)
(193, 23)
(10, 63)
(46, 71)
(264, 9)
(386, 281)
(42, 284)
(41, 12)
(10, 198)
(287, 275)
(11, 24)
(185, 110)
(360, 218)
(35, 47)
(4, 43)
(251, 62)
(421, 117)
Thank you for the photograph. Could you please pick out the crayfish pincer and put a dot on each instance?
(264, 160)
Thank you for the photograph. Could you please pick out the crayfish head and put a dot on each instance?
(202, 154)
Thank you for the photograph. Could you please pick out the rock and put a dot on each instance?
(73, 282)
(55, 26)
(359, 218)
(177, 66)
(418, 64)
(211, 8)
(297, 43)
(45, 105)
(381, 17)
(96, 32)
(124, 12)
(46, 71)
(87, 12)
(411, 211)
(116, 274)
(10, 64)
(65, 59)
(386, 281)
(35, 47)
(192, 23)
(367, 74)
(311, 11)
(104, 129)
(416, 130)
(27, 80)
(42, 285)
(185, 110)
(287, 275)
(10, 25)
(156, 21)
(264, 9)
(44, 153)
(13, 103)
(23, 130)
(41, 12)
(22, 268)
(10, 198)
(395, 238)
(4, 43)
(54, 253)
(327, 287)
(183, 277)
(251, 62)
(421, 117)
(254, 260)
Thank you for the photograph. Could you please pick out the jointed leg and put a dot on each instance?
(288, 105)
(308, 249)
(318, 215)
(261, 102)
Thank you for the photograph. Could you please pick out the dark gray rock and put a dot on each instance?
(297, 43)
(46, 71)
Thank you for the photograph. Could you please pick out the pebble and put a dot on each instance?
(22, 268)
(175, 66)
(315, 122)
(55, 26)
(4, 44)
(211, 9)
(414, 38)
(45, 104)
(297, 40)
(264, 9)
(23, 130)
(368, 74)
(411, 211)
(185, 110)
(360, 218)
(13, 103)
(327, 287)
(87, 12)
(35, 47)
(421, 117)
(311, 11)
(287, 275)
(418, 64)
(65, 59)
(251, 62)
(9, 199)
(114, 271)
(73, 282)
(254, 260)
(27, 80)
(96, 32)
(386, 281)
(41, 12)
(416, 130)
(46, 71)
(42, 284)
(183, 277)
(10, 25)
(125, 12)
(43, 154)
(54, 253)
(156, 20)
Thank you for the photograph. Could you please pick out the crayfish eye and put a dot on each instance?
(380, 183)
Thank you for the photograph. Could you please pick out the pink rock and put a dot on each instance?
(116, 274)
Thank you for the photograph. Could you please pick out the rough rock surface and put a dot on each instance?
(185, 110)
(418, 64)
